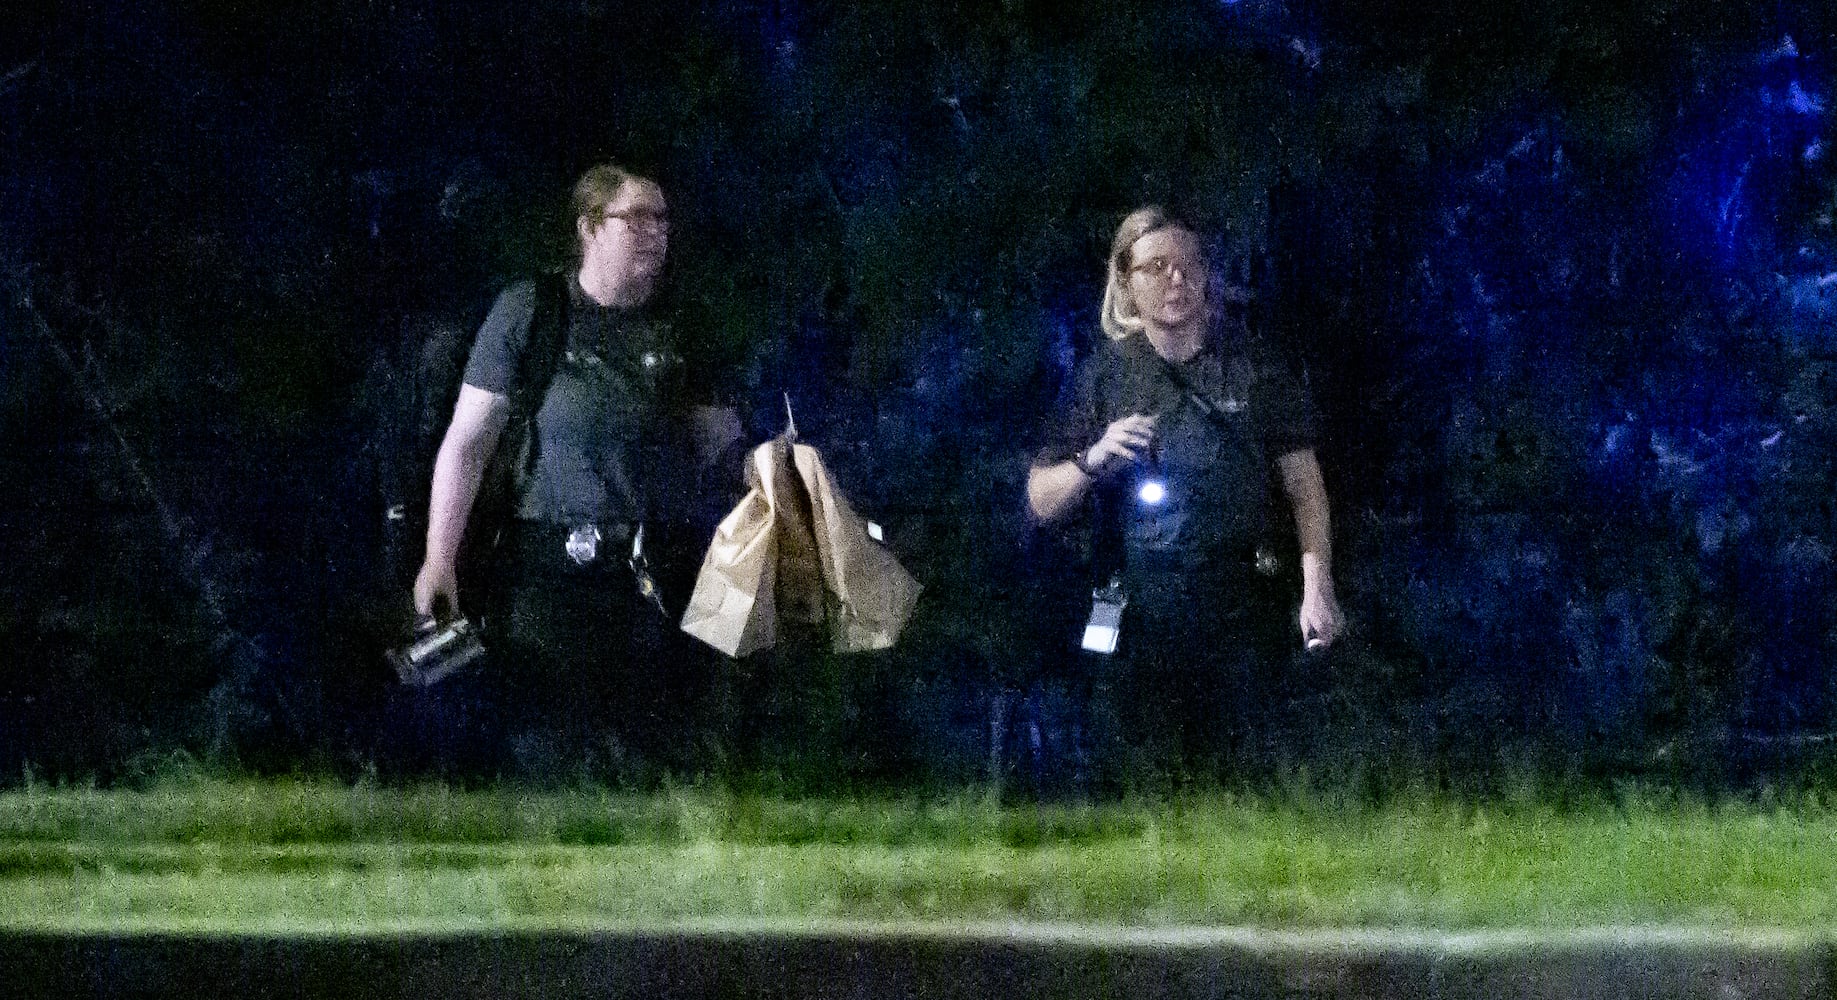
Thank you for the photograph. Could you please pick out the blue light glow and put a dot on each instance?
(1152, 491)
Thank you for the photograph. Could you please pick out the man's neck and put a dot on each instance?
(613, 294)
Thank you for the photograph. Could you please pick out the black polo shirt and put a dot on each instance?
(1216, 471)
(611, 437)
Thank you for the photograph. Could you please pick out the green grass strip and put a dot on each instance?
(286, 856)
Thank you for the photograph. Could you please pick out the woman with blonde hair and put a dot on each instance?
(1168, 441)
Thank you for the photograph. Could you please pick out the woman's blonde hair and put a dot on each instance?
(1118, 315)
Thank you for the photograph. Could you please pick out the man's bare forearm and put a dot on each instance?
(459, 468)
(478, 419)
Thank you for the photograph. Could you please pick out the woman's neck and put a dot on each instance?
(1176, 344)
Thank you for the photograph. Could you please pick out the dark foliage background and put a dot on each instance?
(1561, 275)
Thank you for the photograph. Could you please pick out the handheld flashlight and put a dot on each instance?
(1151, 486)
(436, 651)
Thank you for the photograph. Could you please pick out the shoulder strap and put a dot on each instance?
(1209, 407)
(514, 461)
(548, 337)
(1268, 560)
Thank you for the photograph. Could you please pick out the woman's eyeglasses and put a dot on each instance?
(1160, 270)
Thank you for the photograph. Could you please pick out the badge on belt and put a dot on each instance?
(583, 544)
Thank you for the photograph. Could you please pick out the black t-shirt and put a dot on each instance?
(1215, 471)
(611, 437)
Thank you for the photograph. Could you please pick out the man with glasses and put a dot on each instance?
(585, 392)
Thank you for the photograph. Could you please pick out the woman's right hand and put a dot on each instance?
(1054, 490)
(436, 590)
(1124, 441)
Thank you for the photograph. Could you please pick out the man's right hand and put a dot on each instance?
(437, 591)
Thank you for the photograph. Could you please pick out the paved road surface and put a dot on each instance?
(990, 960)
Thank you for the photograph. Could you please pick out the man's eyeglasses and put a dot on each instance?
(642, 218)
(1160, 270)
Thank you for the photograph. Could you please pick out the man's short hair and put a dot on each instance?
(594, 191)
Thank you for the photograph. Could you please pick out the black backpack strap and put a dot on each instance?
(548, 340)
(515, 458)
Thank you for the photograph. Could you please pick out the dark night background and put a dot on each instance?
(1562, 275)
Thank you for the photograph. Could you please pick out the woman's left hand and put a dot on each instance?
(1321, 622)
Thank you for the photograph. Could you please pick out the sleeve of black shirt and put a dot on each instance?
(1287, 411)
(502, 343)
(1074, 423)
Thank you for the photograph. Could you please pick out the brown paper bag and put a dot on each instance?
(873, 595)
(733, 605)
(795, 551)
(800, 583)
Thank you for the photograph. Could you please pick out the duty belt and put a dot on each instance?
(599, 546)
(592, 543)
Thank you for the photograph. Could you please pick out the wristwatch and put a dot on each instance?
(1084, 466)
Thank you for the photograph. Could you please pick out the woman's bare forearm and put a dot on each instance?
(1307, 494)
(1053, 491)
